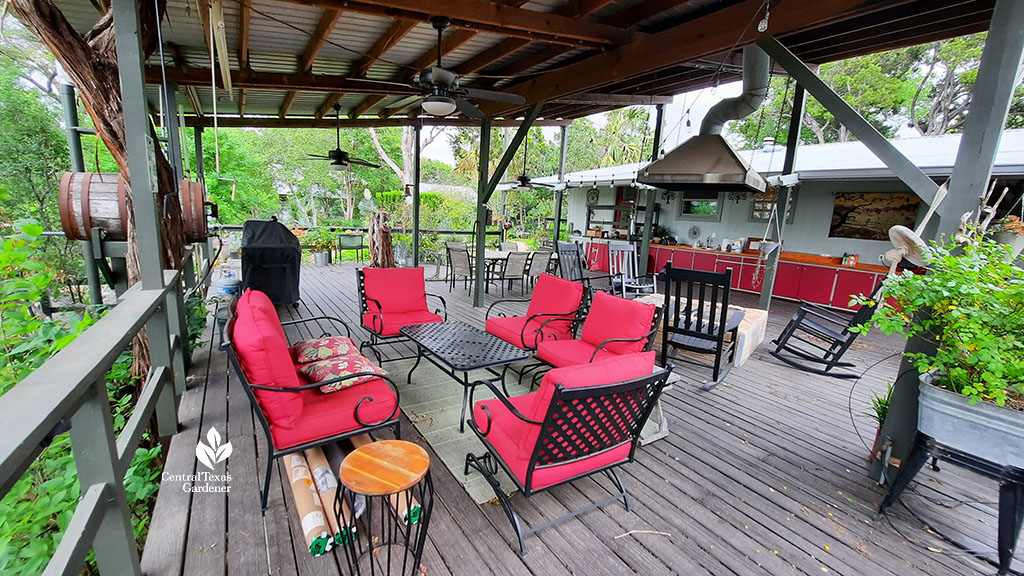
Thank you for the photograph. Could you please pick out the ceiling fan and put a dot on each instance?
(441, 94)
(340, 159)
(524, 181)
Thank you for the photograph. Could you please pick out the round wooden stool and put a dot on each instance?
(394, 477)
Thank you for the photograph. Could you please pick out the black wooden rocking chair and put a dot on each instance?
(816, 339)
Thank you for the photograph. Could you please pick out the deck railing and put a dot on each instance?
(69, 394)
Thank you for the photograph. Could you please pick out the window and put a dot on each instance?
(762, 203)
(699, 205)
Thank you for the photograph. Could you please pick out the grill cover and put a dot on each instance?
(271, 258)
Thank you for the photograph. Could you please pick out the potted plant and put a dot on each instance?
(970, 307)
(659, 231)
(1010, 231)
(879, 410)
(321, 240)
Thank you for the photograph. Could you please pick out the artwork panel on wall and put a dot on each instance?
(869, 215)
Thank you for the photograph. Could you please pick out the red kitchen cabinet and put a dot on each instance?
(787, 279)
(816, 283)
(652, 260)
(703, 261)
(749, 274)
(724, 263)
(852, 282)
(679, 258)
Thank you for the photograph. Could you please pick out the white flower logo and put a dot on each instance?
(215, 452)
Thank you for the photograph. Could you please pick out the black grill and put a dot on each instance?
(271, 258)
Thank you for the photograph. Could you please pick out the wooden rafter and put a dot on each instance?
(707, 34)
(328, 123)
(398, 29)
(190, 91)
(244, 21)
(280, 81)
(316, 42)
(496, 17)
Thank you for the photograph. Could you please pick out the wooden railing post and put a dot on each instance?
(181, 355)
(188, 266)
(92, 442)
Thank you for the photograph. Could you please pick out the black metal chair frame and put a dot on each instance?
(693, 331)
(567, 434)
(570, 267)
(831, 339)
(273, 453)
(376, 338)
(539, 331)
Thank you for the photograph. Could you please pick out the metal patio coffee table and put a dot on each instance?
(456, 347)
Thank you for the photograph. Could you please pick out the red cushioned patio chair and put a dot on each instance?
(391, 298)
(583, 420)
(294, 413)
(613, 326)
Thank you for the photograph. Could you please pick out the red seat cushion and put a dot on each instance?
(318, 349)
(393, 321)
(614, 317)
(397, 289)
(515, 440)
(560, 353)
(326, 415)
(340, 366)
(511, 330)
(265, 358)
(554, 295)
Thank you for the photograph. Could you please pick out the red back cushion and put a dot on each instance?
(397, 289)
(614, 369)
(263, 353)
(553, 294)
(614, 317)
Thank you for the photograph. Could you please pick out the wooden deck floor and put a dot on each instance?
(764, 475)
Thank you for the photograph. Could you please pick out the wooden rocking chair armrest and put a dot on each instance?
(823, 313)
(498, 395)
(348, 332)
(589, 279)
(487, 314)
(734, 320)
(443, 309)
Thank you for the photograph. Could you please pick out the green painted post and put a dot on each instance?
(141, 149)
(95, 451)
(559, 193)
(74, 137)
(652, 195)
(181, 361)
(416, 200)
(481, 212)
(173, 133)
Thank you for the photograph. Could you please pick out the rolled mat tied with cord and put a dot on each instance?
(403, 504)
(307, 503)
(327, 485)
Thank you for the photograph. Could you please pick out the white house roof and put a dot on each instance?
(935, 155)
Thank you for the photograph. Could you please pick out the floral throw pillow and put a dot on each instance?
(338, 367)
(323, 348)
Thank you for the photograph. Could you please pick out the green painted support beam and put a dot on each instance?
(513, 147)
(416, 199)
(559, 193)
(481, 213)
(651, 195)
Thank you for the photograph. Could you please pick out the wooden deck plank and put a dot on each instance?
(753, 479)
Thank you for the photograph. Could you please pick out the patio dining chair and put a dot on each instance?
(460, 264)
(508, 246)
(538, 265)
(390, 298)
(513, 269)
(623, 267)
(351, 242)
(698, 319)
(570, 267)
(296, 414)
(583, 421)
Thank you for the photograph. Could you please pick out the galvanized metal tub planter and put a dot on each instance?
(985, 430)
(321, 258)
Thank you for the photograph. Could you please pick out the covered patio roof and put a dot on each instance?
(286, 62)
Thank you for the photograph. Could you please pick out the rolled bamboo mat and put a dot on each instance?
(308, 505)
(327, 485)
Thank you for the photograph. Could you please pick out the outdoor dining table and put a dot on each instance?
(458, 349)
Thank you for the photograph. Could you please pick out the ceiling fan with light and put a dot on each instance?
(523, 181)
(340, 159)
(441, 94)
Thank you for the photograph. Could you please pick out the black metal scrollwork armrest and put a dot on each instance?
(348, 332)
(487, 314)
(610, 340)
(444, 306)
(498, 395)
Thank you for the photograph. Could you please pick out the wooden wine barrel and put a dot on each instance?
(93, 199)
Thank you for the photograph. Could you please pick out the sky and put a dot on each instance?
(698, 102)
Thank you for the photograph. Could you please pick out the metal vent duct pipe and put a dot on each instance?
(756, 68)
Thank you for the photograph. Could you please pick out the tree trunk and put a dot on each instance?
(408, 156)
(381, 253)
(91, 62)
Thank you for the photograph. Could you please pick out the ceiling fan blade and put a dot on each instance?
(319, 157)
(494, 95)
(468, 109)
(403, 103)
(551, 186)
(362, 162)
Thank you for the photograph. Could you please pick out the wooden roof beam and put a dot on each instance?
(366, 104)
(485, 16)
(220, 42)
(316, 41)
(713, 32)
(244, 21)
(613, 99)
(328, 123)
(190, 91)
(280, 81)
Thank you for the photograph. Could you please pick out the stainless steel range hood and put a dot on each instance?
(707, 161)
